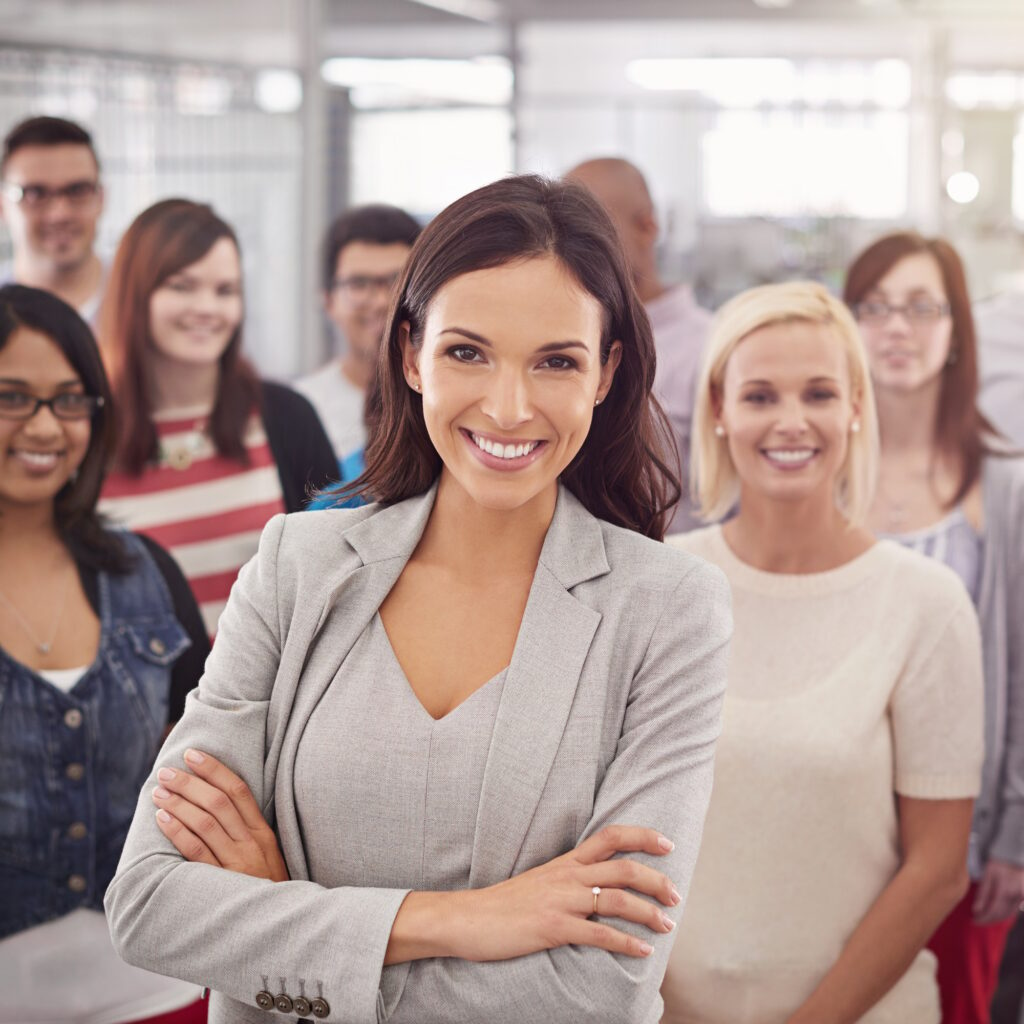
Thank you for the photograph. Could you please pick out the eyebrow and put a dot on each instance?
(551, 346)
(767, 383)
(17, 382)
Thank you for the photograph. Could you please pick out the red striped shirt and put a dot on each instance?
(207, 510)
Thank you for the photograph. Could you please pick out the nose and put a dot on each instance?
(507, 399)
(42, 423)
(792, 417)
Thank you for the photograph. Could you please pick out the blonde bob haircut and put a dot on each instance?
(713, 477)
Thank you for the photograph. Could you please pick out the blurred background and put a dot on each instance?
(778, 136)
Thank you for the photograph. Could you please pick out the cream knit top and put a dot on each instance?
(845, 688)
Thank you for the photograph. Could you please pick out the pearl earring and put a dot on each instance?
(719, 430)
(597, 401)
(855, 427)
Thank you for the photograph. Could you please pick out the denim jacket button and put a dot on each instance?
(320, 1008)
(73, 718)
(264, 1000)
(77, 830)
(303, 1007)
(75, 772)
(283, 1002)
(157, 646)
(76, 883)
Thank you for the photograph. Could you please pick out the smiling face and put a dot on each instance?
(58, 235)
(509, 369)
(38, 456)
(357, 302)
(908, 350)
(194, 313)
(787, 411)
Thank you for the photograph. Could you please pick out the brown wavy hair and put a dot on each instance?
(961, 430)
(627, 471)
(162, 240)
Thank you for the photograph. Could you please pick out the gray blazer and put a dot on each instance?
(998, 829)
(609, 714)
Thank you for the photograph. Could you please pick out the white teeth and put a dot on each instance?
(40, 459)
(503, 451)
(790, 455)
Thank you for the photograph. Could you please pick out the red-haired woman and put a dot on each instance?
(950, 488)
(457, 705)
(207, 452)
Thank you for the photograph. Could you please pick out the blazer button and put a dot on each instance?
(76, 883)
(75, 771)
(302, 1006)
(157, 646)
(78, 830)
(72, 718)
(320, 1008)
(264, 1000)
(283, 1002)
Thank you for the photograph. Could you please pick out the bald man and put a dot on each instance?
(680, 325)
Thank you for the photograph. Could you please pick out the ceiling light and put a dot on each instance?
(963, 187)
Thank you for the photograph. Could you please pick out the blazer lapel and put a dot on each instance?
(551, 648)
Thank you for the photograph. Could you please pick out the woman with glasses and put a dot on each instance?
(949, 487)
(100, 640)
(207, 452)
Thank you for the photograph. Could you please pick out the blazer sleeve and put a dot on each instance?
(216, 928)
(1008, 842)
(298, 441)
(660, 777)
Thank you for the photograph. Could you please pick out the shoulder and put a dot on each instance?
(1003, 472)
(920, 589)
(658, 568)
(281, 399)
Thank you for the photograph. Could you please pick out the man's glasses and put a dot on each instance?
(921, 311)
(71, 405)
(35, 197)
(361, 286)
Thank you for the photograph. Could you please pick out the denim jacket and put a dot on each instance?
(72, 764)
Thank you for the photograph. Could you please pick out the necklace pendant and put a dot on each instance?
(44, 648)
(179, 458)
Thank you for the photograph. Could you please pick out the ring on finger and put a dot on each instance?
(597, 892)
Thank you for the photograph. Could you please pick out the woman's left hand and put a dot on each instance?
(211, 817)
(1000, 892)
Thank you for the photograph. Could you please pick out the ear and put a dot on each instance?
(102, 197)
(410, 356)
(608, 368)
(716, 404)
(647, 226)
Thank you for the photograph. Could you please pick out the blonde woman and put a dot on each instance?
(851, 746)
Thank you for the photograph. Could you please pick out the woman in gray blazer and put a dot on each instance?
(456, 706)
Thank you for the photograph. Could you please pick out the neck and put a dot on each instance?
(175, 385)
(74, 284)
(649, 285)
(356, 369)
(791, 537)
(907, 421)
(482, 542)
(25, 527)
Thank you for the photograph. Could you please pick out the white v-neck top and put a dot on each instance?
(845, 688)
(373, 753)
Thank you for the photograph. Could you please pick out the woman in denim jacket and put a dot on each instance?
(100, 640)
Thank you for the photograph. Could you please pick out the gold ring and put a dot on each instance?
(597, 892)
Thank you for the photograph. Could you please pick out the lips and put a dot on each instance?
(504, 453)
(37, 462)
(790, 458)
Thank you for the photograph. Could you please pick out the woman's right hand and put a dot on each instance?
(553, 904)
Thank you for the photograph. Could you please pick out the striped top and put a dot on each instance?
(207, 510)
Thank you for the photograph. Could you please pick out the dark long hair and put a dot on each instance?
(626, 472)
(166, 238)
(74, 506)
(960, 427)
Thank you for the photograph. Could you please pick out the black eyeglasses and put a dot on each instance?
(35, 197)
(70, 405)
(359, 286)
(921, 311)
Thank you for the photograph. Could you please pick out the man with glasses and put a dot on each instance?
(364, 253)
(50, 201)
